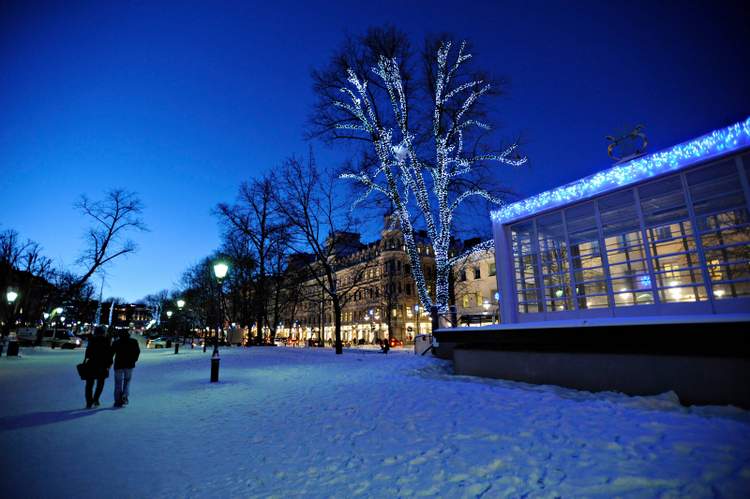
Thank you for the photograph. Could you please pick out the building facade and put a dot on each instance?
(475, 289)
(665, 234)
(379, 295)
(126, 315)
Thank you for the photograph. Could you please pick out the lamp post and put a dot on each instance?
(220, 271)
(180, 304)
(169, 326)
(371, 314)
(10, 296)
(416, 311)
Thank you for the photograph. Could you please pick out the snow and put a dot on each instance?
(294, 422)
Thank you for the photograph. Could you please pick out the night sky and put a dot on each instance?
(181, 101)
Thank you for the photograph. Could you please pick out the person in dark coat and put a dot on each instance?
(126, 352)
(98, 358)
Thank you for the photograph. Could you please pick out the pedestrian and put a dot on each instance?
(98, 359)
(385, 346)
(125, 351)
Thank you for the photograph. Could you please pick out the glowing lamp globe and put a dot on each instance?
(220, 270)
(11, 296)
(169, 314)
(180, 303)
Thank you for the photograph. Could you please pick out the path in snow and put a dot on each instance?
(305, 423)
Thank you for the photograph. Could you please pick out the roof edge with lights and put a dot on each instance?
(713, 145)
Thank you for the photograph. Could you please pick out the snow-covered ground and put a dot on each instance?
(289, 422)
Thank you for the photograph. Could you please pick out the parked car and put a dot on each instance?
(279, 342)
(26, 335)
(396, 342)
(60, 338)
(160, 342)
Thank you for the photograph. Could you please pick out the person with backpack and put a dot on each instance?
(126, 352)
(97, 359)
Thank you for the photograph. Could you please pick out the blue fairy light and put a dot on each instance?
(717, 143)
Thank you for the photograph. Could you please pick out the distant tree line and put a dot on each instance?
(41, 287)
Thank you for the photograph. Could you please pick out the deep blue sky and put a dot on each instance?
(181, 101)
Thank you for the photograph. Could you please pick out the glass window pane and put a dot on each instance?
(586, 255)
(528, 279)
(628, 299)
(625, 248)
(618, 214)
(663, 202)
(731, 290)
(554, 257)
(674, 256)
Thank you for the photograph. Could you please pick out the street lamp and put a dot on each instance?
(220, 271)
(169, 314)
(180, 304)
(11, 297)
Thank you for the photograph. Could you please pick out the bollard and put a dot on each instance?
(176, 347)
(12, 349)
(215, 368)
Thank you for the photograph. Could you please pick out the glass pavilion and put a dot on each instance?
(662, 235)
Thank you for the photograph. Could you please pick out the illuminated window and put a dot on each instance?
(714, 270)
(465, 301)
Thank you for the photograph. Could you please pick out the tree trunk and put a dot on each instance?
(337, 329)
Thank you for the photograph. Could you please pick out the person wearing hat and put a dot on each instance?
(98, 359)
(126, 352)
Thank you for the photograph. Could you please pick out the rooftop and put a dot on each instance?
(713, 145)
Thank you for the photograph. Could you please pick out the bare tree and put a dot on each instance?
(112, 218)
(321, 223)
(253, 218)
(24, 269)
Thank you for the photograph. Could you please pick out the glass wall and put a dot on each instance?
(721, 216)
(682, 238)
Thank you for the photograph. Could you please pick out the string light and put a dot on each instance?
(717, 143)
